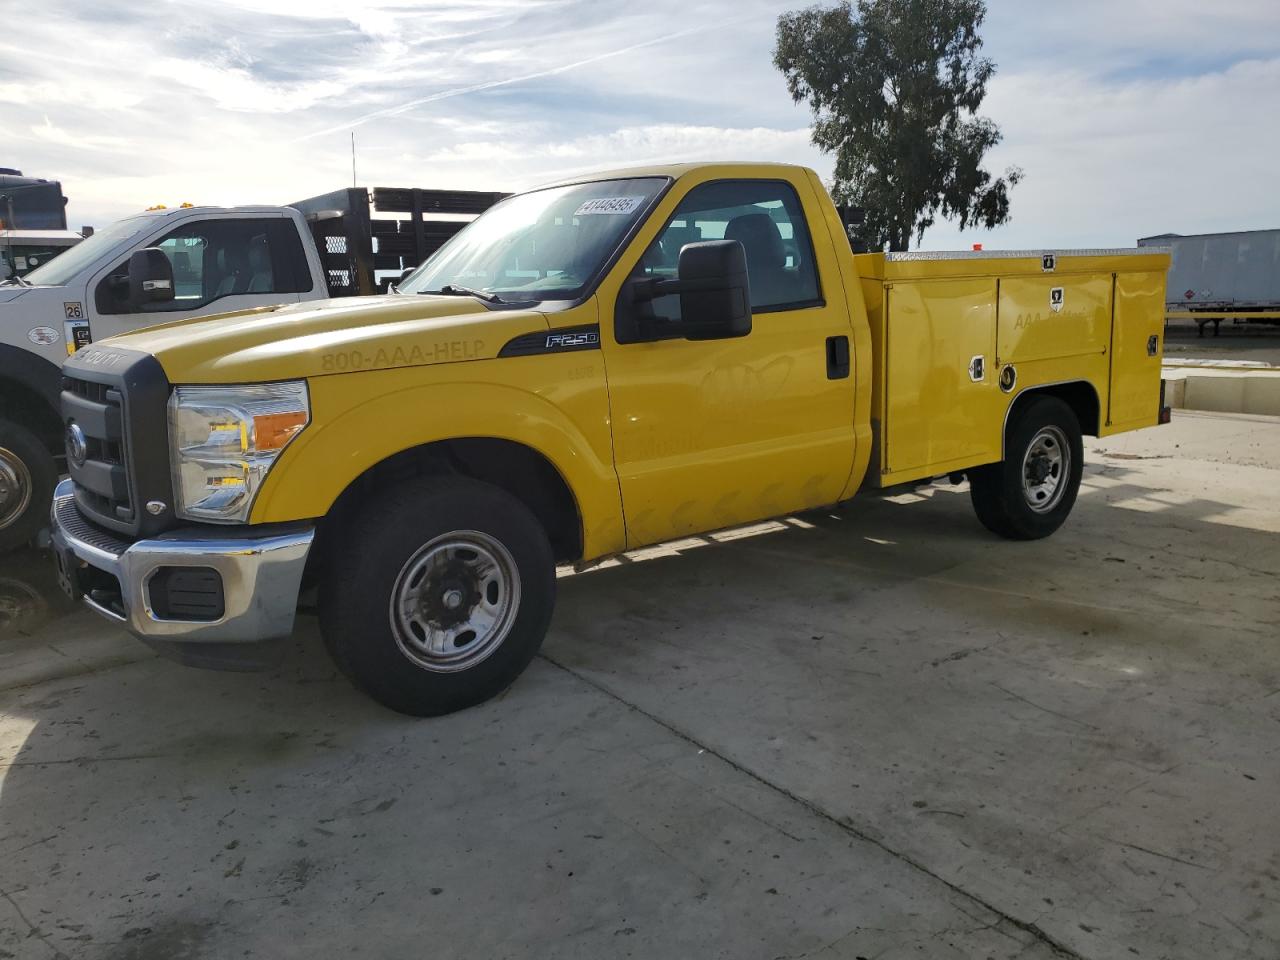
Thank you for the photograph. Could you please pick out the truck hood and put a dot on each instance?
(10, 293)
(329, 336)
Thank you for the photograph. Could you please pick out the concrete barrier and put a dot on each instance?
(1223, 389)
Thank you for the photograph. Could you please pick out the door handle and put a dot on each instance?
(837, 358)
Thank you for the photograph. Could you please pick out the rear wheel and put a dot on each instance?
(27, 477)
(438, 595)
(1030, 493)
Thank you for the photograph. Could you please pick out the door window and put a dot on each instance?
(212, 259)
(765, 216)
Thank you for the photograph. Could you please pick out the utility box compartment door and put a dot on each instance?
(941, 400)
(1136, 349)
(1055, 315)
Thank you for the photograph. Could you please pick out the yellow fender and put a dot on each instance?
(361, 420)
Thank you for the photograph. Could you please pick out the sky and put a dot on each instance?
(1128, 117)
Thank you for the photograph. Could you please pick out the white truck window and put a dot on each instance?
(212, 259)
(63, 269)
(765, 216)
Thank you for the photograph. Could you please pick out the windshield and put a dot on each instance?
(545, 245)
(62, 268)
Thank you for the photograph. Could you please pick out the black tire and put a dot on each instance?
(375, 553)
(28, 474)
(1000, 499)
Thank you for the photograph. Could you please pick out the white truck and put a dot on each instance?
(167, 265)
(21, 251)
(33, 223)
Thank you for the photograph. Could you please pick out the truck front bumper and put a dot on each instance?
(209, 596)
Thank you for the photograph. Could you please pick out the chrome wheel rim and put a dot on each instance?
(15, 487)
(1045, 468)
(454, 601)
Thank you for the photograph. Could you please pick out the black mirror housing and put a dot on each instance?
(715, 295)
(150, 277)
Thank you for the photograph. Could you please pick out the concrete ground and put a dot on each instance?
(878, 732)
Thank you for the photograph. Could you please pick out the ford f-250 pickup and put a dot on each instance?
(589, 367)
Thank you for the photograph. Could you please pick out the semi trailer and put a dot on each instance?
(1222, 276)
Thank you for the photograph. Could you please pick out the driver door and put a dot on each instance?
(713, 433)
(219, 265)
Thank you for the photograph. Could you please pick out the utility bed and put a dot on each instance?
(954, 334)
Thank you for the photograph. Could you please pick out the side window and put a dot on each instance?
(212, 259)
(765, 216)
(186, 255)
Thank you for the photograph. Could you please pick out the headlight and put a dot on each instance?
(223, 441)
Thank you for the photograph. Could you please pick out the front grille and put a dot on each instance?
(114, 400)
(102, 476)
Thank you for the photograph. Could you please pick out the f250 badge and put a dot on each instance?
(586, 338)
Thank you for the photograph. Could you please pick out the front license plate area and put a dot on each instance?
(68, 572)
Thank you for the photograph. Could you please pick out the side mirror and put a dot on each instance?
(393, 286)
(715, 297)
(150, 277)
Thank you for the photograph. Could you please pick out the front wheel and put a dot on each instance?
(1030, 493)
(438, 595)
(27, 477)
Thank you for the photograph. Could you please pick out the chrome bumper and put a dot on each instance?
(260, 577)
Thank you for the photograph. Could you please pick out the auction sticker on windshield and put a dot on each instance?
(608, 205)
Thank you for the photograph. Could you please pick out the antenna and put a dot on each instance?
(353, 158)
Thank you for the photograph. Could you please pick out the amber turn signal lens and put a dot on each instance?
(271, 431)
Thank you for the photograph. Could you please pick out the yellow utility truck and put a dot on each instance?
(589, 367)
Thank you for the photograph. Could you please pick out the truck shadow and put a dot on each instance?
(125, 787)
(29, 594)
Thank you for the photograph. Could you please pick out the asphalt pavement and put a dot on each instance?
(876, 731)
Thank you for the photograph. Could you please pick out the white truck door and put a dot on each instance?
(221, 263)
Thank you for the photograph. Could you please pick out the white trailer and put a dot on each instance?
(1223, 276)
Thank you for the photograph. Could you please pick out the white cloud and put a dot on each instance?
(1108, 162)
(235, 88)
(526, 162)
(1128, 117)
(49, 133)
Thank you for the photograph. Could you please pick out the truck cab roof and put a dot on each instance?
(673, 170)
(248, 209)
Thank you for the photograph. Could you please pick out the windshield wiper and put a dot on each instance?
(17, 281)
(458, 290)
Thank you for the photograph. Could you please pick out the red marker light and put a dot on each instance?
(977, 246)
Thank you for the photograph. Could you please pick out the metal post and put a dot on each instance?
(8, 237)
(419, 230)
